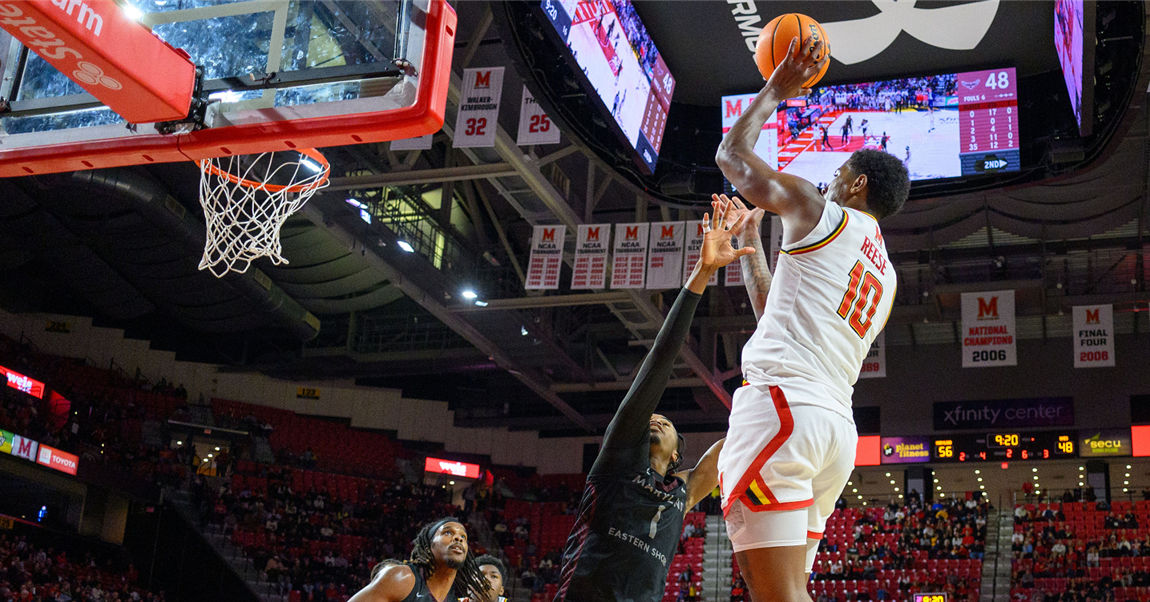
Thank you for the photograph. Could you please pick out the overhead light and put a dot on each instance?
(1035, 477)
(308, 163)
(217, 449)
(896, 489)
(1081, 468)
(403, 245)
(133, 12)
(179, 442)
(481, 303)
(888, 474)
(900, 496)
(939, 488)
(451, 482)
(469, 294)
(978, 472)
(1033, 470)
(850, 483)
(1125, 490)
(1125, 482)
(1081, 484)
(892, 481)
(523, 330)
(1127, 467)
(854, 490)
(979, 479)
(209, 455)
(982, 486)
(860, 497)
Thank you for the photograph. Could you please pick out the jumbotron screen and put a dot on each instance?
(941, 126)
(617, 57)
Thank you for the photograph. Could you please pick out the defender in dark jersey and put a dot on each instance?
(632, 511)
(441, 569)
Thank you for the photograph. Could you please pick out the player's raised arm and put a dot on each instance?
(794, 199)
(756, 270)
(625, 444)
(704, 477)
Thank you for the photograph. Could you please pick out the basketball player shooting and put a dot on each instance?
(635, 500)
(791, 443)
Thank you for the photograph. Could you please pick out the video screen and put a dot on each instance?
(941, 126)
(613, 49)
(1069, 18)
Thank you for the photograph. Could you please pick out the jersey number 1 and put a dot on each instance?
(861, 286)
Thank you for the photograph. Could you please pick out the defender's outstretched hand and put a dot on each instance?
(717, 232)
(751, 226)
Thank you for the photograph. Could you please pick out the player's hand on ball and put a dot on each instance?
(717, 250)
(798, 68)
(751, 226)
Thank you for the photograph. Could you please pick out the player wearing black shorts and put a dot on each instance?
(633, 506)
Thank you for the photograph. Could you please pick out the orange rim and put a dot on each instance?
(325, 170)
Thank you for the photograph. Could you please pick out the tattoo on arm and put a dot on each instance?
(756, 275)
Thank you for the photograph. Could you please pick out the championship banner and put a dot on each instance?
(988, 330)
(874, 366)
(775, 234)
(534, 125)
(629, 267)
(1093, 336)
(478, 108)
(665, 255)
(410, 144)
(591, 257)
(734, 274)
(695, 250)
(546, 257)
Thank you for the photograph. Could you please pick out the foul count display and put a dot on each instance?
(1007, 446)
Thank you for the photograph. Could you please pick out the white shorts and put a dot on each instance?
(782, 468)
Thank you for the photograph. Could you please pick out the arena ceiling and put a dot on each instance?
(123, 245)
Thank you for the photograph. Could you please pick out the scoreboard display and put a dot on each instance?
(930, 597)
(1005, 446)
(988, 121)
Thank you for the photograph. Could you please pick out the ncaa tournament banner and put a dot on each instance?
(874, 366)
(546, 257)
(1099, 443)
(1093, 336)
(734, 274)
(665, 255)
(534, 126)
(988, 330)
(695, 250)
(591, 257)
(1003, 413)
(905, 450)
(478, 114)
(629, 267)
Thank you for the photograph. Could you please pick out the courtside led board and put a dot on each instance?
(281, 75)
(940, 126)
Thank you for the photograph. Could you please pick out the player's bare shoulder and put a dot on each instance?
(393, 583)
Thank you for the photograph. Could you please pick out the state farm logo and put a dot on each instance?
(40, 38)
(93, 75)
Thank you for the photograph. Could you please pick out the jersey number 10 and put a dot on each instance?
(861, 286)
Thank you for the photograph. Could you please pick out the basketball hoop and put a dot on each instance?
(246, 200)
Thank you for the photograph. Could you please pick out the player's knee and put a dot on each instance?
(777, 588)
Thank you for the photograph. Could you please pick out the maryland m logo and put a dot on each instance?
(988, 311)
(669, 231)
(549, 235)
(959, 27)
(1092, 316)
(632, 232)
(482, 79)
(592, 234)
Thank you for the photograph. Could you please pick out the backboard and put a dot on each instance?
(287, 74)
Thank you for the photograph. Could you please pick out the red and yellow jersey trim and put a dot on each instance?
(822, 243)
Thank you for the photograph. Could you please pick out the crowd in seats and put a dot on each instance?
(890, 553)
(314, 442)
(96, 414)
(1079, 551)
(315, 535)
(685, 579)
(29, 573)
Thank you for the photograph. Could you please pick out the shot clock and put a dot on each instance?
(1006, 446)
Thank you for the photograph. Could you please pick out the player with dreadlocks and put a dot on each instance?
(441, 567)
(635, 500)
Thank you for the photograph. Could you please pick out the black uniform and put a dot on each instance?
(419, 593)
(631, 517)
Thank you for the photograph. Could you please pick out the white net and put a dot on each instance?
(246, 200)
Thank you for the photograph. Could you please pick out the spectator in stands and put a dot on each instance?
(440, 564)
(494, 571)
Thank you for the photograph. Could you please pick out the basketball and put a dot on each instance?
(776, 38)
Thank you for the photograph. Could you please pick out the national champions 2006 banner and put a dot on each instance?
(988, 330)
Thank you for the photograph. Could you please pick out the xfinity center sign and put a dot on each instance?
(1003, 413)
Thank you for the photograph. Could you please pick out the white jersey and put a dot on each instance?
(831, 295)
